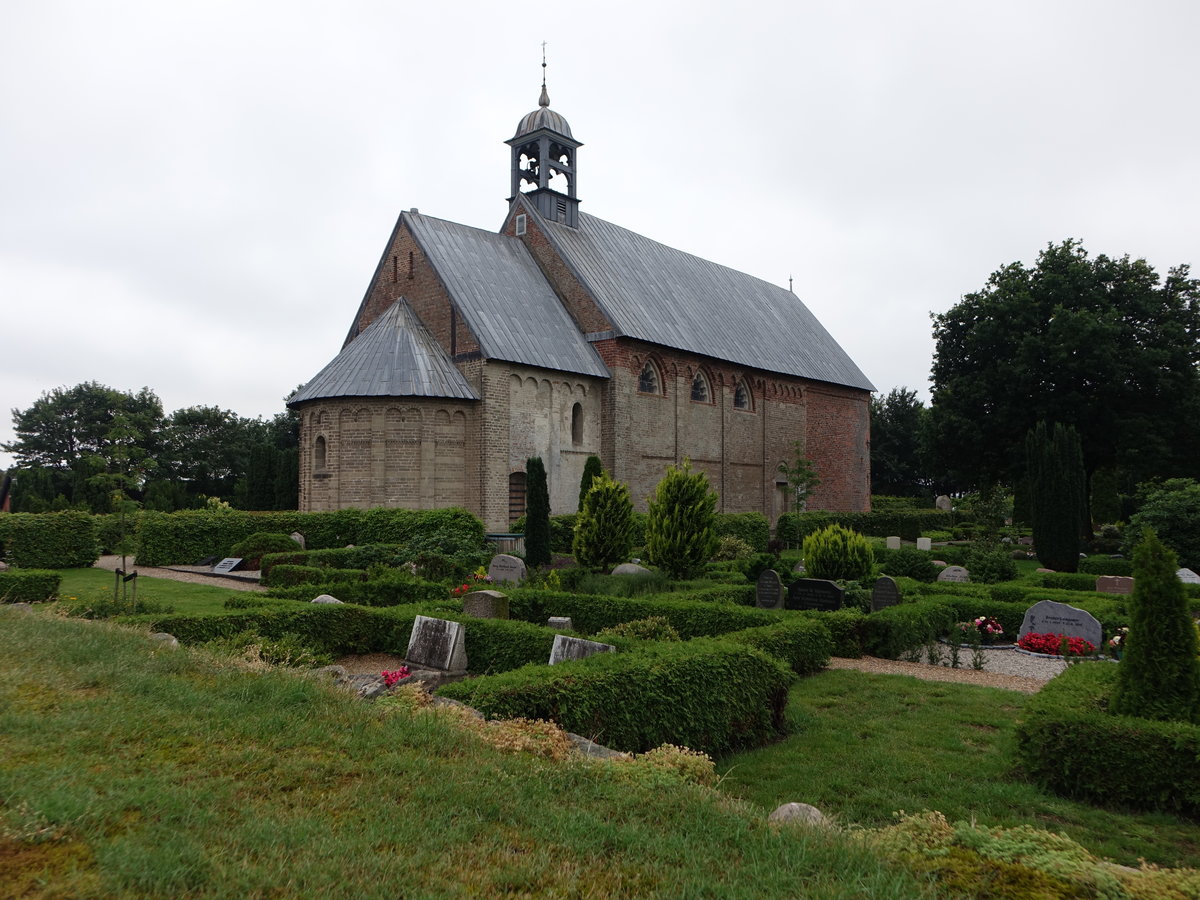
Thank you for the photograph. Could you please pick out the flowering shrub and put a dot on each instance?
(988, 628)
(395, 676)
(1117, 641)
(478, 577)
(1052, 644)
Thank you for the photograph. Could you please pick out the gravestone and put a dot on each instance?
(630, 569)
(1114, 584)
(924, 543)
(954, 573)
(326, 599)
(884, 594)
(566, 648)
(507, 568)
(1187, 576)
(943, 503)
(768, 594)
(815, 593)
(1051, 617)
(798, 568)
(893, 542)
(563, 623)
(228, 564)
(486, 605)
(299, 539)
(437, 644)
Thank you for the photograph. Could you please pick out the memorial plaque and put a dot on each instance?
(768, 594)
(562, 623)
(228, 564)
(507, 568)
(924, 543)
(437, 644)
(815, 593)
(1114, 584)
(893, 542)
(884, 594)
(486, 605)
(1051, 617)
(1187, 576)
(954, 573)
(566, 648)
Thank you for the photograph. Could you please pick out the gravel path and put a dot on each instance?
(190, 574)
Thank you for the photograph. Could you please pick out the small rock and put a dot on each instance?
(592, 750)
(19, 608)
(326, 598)
(367, 686)
(338, 674)
(3, 566)
(446, 702)
(801, 814)
(162, 639)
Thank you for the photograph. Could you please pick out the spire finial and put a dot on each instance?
(544, 100)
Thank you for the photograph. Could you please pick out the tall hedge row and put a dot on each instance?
(60, 540)
(710, 695)
(792, 528)
(181, 538)
(751, 527)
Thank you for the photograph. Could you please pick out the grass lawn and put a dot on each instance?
(870, 745)
(87, 584)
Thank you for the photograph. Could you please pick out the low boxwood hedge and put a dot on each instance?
(792, 528)
(1103, 565)
(28, 586)
(387, 591)
(845, 628)
(60, 540)
(1069, 743)
(804, 644)
(1069, 581)
(895, 630)
(290, 576)
(709, 695)
(751, 527)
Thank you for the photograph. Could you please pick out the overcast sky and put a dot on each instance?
(193, 195)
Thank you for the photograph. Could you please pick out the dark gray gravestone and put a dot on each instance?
(576, 648)
(437, 644)
(954, 573)
(768, 594)
(1050, 617)
(507, 568)
(885, 594)
(815, 593)
(228, 564)
(486, 605)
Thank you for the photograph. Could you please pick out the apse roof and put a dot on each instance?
(655, 293)
(395, 356)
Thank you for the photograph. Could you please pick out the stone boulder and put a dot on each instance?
(630, 569)
(164, 641)
(800, 814)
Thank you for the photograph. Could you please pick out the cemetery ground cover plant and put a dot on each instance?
(1056, 644)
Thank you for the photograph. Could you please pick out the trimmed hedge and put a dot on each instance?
(1068, 743)
(709, 695)
(396, 591)
(594, 612)
(793, 528)
(892, 631)
(28, 586)
(751, 527)
(290, 576)
(845, 628)
(183, 537)
(804, 644)
(61, 540)
(1069, 581)
(1101, 565)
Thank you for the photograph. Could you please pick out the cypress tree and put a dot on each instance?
(1056, 480)
(604, 527)
(537, 513)
(681, 528)
(1159, 675)
(591, 469)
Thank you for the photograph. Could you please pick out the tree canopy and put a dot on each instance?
(1101, 343)
(897, 453)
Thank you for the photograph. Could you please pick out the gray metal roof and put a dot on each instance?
(655, 293)
(543, 117)
(504, 297)
(395, 356)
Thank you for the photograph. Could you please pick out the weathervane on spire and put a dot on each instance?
(545, 98)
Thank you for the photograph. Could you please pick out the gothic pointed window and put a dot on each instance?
(700, 389)
(648, 381)
(741, 397)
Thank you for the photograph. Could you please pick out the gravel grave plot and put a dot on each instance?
(189, 574)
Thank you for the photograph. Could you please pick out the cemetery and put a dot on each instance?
(728, 656)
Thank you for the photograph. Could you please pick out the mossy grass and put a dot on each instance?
(867, 746)
(131, 772)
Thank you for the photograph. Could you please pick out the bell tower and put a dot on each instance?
(543, 162)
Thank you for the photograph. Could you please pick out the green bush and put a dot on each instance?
(708, 695)
(836, 553)
(680, 526)
(753, 567)
(805, 645)
(792, 528)
(1172, 509)
(60, 540)
(639, 585)
(290, 576)
(106, 606)
(591, 468)
(907, 562)
(537, 515)
(992, 566)
(896, 630)
(1069, 581)
(731, 548)
(28, 586)
(1159, 675)
(392, 590)
(846, 628)
(253, 548)
(1102, 565)
(1068, 742)
(604, 527)
(751, 527)
(1057, 493)
(741, 594)
(652, 628)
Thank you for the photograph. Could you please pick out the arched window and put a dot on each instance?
(700, 391)
(319, 453)
(576, 424)
(648, 381)
(516, 496)
(741, 397)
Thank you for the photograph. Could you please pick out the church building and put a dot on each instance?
(563, 335)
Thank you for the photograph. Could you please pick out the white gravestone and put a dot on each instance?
(566, 648)
(924, 543)
(1187, 576)
(507, 568)
(954, 573)
(893, 542)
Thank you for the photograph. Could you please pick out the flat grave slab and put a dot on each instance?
(566, 648)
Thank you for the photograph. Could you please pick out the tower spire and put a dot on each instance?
(544, 100)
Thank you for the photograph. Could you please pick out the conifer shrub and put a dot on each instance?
(1159, 675)
(591, 468)
(537, 513)
(680, 528)
(1057, 494)
(604, 527)
(836, 553)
